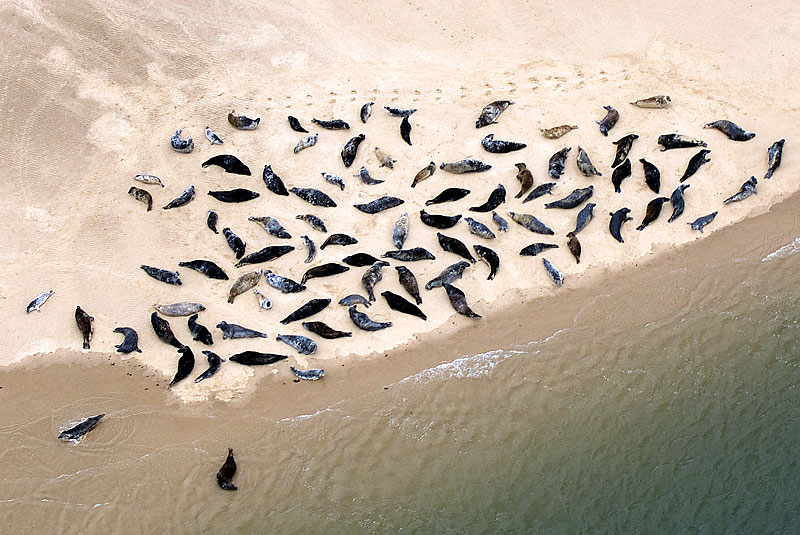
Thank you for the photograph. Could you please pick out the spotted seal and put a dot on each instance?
(263, 301)
(148, 179)
(535, 248)
(323, 270)
(162, 275)
(314, 197)
(241, 122)
(399, 112)
(573, 200)
(183, 199)
(325, 331)
(234, 331)
(448, 195)
(531, 223)
(366, 111)
(78, 431)
(496, 198)
(212, 136)
(235, 195)
(584, 217)
(469, 165)
(228, 162)
(364, 322)
(695, 163)
(652, 176)
(142, 196)
(653, 211)
(338, 239)
(199, 332)
(379, 205)
(306, 142)
(403, 305)
(274, 182)
(214, 363)
(525, 178)
(282, 284)
(308, 309)
(336, 180)
(424, 173)
(243, 284)
(270, 252)
(449, 274)
(491, 112)
(678, 141)
(479, 229)
(459, 301)
(500, 147)
(617, 219)
(272, 226)
(701, 222)
(366, 178)
(620, 173)
(226, 472)
(335, 124)
(624, 145)
(405, 130)
(731, 129)
(294, 124)
(131, 341)
(538, 191)
(502, 224)
(350, 150)
(207, 268)
(747, 189)
(184, 146)
(574, 246)
(384, 157)
(608, 122)
(490, 257)
(38, 301)
(302, 344)
(437, 220)
(553, 271)
(185, 365)
(163, 330)
(775, 154)
(557, 163)
(409, 283)
(585, 165)
(409, 255)
(371, 277)
(315, 222)
(308, 375)
(354, 299)
(657, 101)
(183, 308)
(400, 231)
(236, 244)
(556, 132)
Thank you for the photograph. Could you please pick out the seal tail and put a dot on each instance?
(86, 345)
(640, 227)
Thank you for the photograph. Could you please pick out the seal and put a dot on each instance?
(379, 205)
(323, 270)
(405, 130)
(701, 222)
(574, 246)
(163, 330)
(301, 344)
(409, 255)
(235, 195)
(365, 177)
(274, 182)
(183, 199)
(496, 198)
(283, 284)
(363, 322)
(459, 301)
(78, 431)
(234, 242)
(226, 472)
(360, 260)
(314, 197)
(617, 219)
(384, 158)
(211, 221)
(584, 217)
(354, 299)
(500, 147)
(335, 124)
(608, 122)
(294, 124)
(775, 154)
(490, 257)
(652, 176)
(38, 301)
(148, 179)
(585, 165)
(214, 362)
(553, 271)
(315, 222)
(306, 142)
(350, 149)
(308, 375)
(652, 212)
(525, 178)
(180, 309)
(256, 358)
(163, 275)
(272, 226)
(536, 248)
(243, 284)
(323, 330)
(555, 167)
(469, 165)
(212, 137)
(678, 141)
(455, 246)
(338, 239)
(424, 173)
(271, 252)
(438, 221)
(400, 231)
(207, 268)
(479, 229)
(142, 196)
(621, 173)
(336, 180)
(199, 332)
(409, 283)
(538, 191)
(449, 274)
(695, 163)
(366, 111)
(263, 301)
(229, 162)
(624, 145)
(184, 146)
(308, 309)
(185, 365)
(732, 130)
(371, 277)
(747, 189)
(556, 132)
(501, 223)
(531, 223)
(233, 331)
(657, 101)
(241, 122)
(401, 304)
(131, 341)
(491, 112)
(574, 199)
(399, 112)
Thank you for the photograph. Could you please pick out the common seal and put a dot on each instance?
(271, 252)
(183, 199)
(459, 301)
(272, 226)
(399, 112)
(214, 363)
(282, 284)
(584, 217)
(557, 163)
(236, 244)
(469, 165)
(302, 344)
(491, 112)
(701, 222)
(38, 301)
(400, 231)
(536, 248)
(364, 322)
(538, 191)
(455, 246)
(314, 197)
(449, 274)
(384, 157)
(652, 176)
(323, 270)
(338, 239)
(531, 223)
(354, 299)
(608, 122)
(131, 341)
(148, 179)
(574, 246)
(256, 358)
(617, 219)
(306, 310)
(241, 122)
(695, 163)
(234, 331)
(490, 257)
(747, 189)
(366, 111)
(424, 173)
(308, 375)
(678, 202)
(574, 199)
(163, 330)
(678, 141)
(183, 308)
(775, 154)
(556, 132)
(365, 177)
(360, 260)
(624, 145)
(553, 271)
(229, 162)
(657, 101)
(336, 180)
(502, 224)
(479, 229)
(371, 277)
(212, 136)
(500, 147)
(315, 222)
(585, 165)
(264, 302)
(163, 275)
(274, 182)
(732, 130)
(294, 124)
(325, 331)
(653, 211)
(211, 221)
(207, 268)
(525, 178)
(235, 195)
(401, 304)
(379, 205)
(409, 255)
(142, 196)
(306, 142)
(405, 130)
(409, 283)
(437, 220)
(185, 365)
(184, 146)
(350, 150)
(335, 124)
(199, 332)
(620, 173)
(243, 284)
(226, 472)
(496, 198)
(77, 432)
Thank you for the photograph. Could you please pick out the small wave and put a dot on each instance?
(465, 367)
(783, 252)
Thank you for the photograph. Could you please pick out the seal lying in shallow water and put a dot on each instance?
(78, 431)
(241, 122)
(229, 162)
(226, 472)
(131, 342)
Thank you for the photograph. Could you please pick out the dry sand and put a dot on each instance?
(92, 94)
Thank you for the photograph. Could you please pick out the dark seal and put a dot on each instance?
(617, 219)
(350, 149)
(496, 198)
(608, 122)
(274, 182)
(131, 342)
(226, 472)
(229, 162)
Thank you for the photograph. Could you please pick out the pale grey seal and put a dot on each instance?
(38, 301)
(184, 146)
